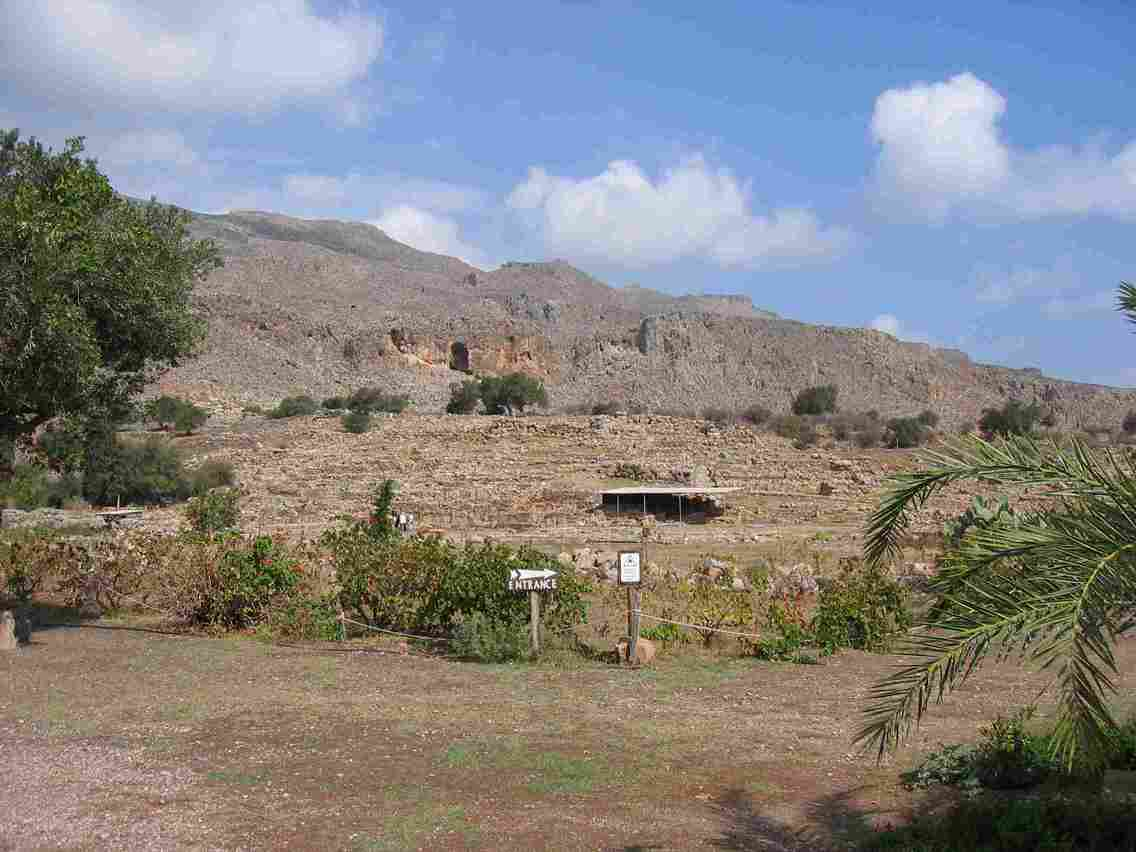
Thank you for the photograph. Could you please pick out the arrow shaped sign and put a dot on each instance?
(532, 580)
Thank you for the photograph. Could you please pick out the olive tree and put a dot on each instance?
(95, 289)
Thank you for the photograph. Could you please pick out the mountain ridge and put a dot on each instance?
(323, 306)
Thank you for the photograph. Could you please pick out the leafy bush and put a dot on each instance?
(787, 426)
(371, 399)
(1128, 424)
(210, 474)
(26, 562)
(32, 487)
(665, 633)
(807, 435)
(1007, 756)
(756, 414)
(214, 511)
(305, 616)
(815, 400)
(487, 640)
(294, 406)
(168, 411)
(720, 416)
(251, 577)
(906, 432)
(861, 608)
(134, 472)
(872, 435)
(464, 397)
(980, 514)
(1013, 418)
(928, 418)
(512, 393)
(1054, 823)
(334, 403)
(356, 422)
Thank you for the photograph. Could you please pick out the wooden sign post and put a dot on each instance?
(534, 582)
(630, 575)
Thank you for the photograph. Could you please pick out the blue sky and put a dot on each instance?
(962, 174)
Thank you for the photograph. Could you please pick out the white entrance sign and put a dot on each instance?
(529, 580)
(629, 573)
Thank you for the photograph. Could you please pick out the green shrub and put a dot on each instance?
(871, 435)
(665, 633)
(982, 513)
(1008, 757)
(720, 416)
(168, 411)
(512, 393)
(214, 511)
(210, 474)
(294, 406)
(905, 432)
(356, 422)
(861, 608)
(486, 640)
(756, 414)
(807, 436)
(815, 400)
(32, 487)
(305, 616)
(371, 399)
(251, 577)
(787, 426)
(1013, 418)
(464, 397)
(334, 403)
(149, 471)
(928, 418)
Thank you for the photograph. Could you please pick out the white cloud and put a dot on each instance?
(430, 232)
(692, 210)
(891, 324)
(208, 55)
(942, 153)
(151, 147)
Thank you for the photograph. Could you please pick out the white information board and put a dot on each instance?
(629, 570)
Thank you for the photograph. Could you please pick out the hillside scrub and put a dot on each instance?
(815, 400)
(369, 400)
(293, 406)
(512, 393)
(1013, 418)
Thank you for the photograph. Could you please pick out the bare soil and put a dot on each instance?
(116, 735)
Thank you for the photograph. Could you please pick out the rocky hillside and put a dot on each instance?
(322, 307)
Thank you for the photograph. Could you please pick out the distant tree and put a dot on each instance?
(510, 394)
(189, 417)
(94, 289)
(371, 399)
(464, 397)
(1013, 418)
(815, 400)
(1129, 423)
(905, 432)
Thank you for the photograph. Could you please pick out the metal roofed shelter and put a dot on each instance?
(665, 500)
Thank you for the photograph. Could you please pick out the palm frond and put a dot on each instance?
(1126, 301)
(1054, 588)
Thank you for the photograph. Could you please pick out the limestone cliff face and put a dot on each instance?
(324, 307)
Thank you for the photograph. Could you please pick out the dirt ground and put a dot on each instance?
(117, 735)
(121, 734)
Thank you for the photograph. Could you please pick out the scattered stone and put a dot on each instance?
(645, 651)
(8, 641)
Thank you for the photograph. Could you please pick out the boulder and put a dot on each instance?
(7, 631)
(645, 651)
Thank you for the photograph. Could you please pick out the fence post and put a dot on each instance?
(534, 615)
